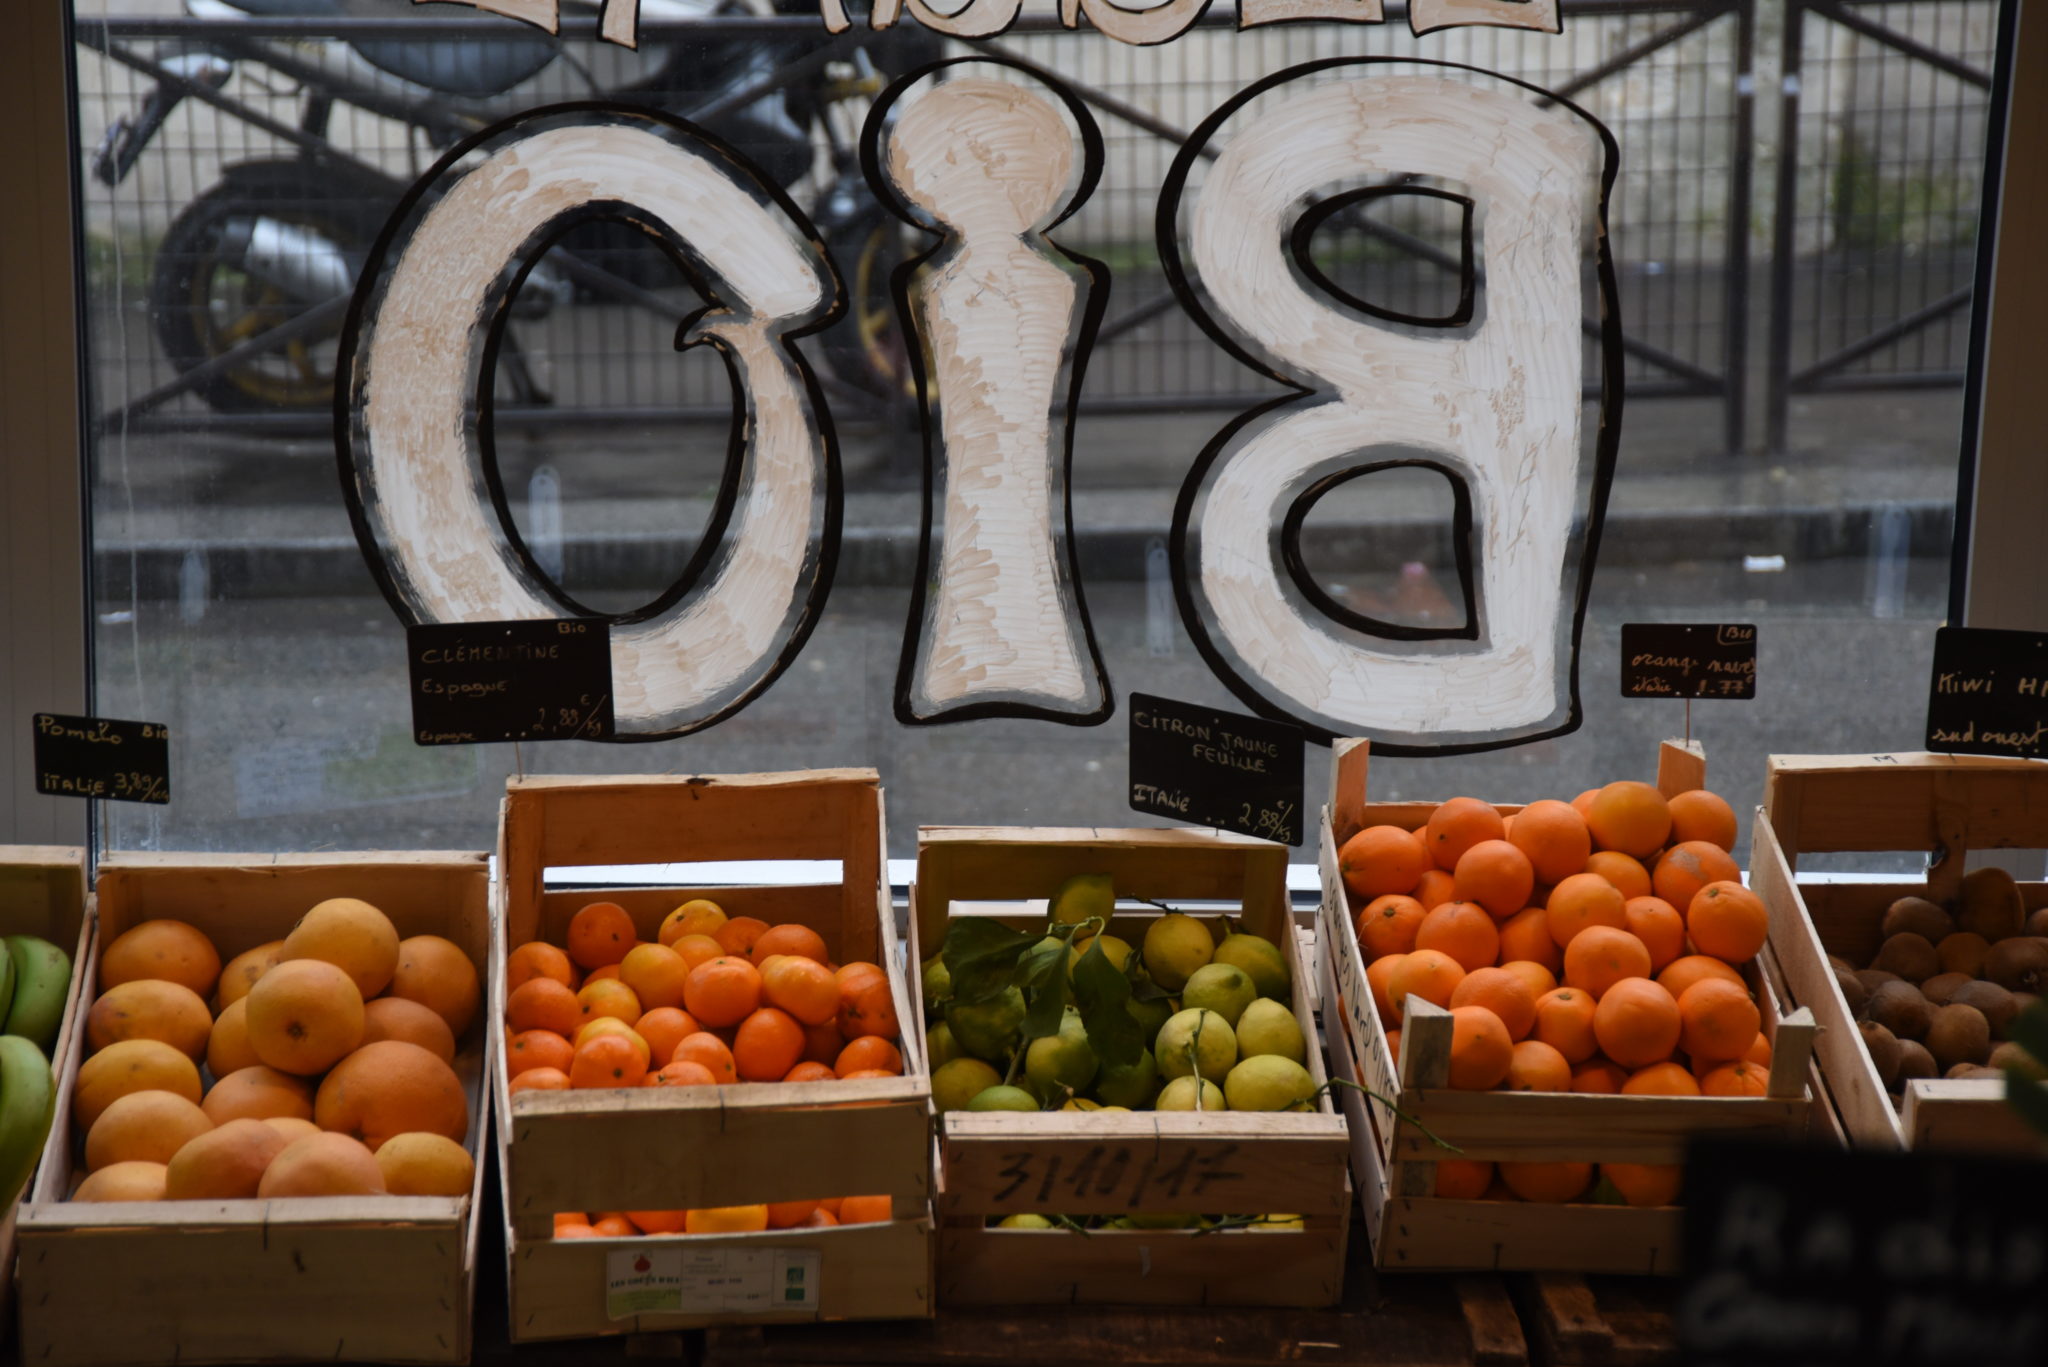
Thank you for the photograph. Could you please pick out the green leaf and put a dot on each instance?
(1101, 991)
(982, 956)
(2029, 1029)
(2028, 1097)
(1045, 989)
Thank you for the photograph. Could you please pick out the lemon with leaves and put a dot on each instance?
(1196, 1041)
(988, 1030)
(1175, 946)
(1262, 962)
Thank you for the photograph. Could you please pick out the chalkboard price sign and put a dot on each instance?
(498, 681)
(97, 757)
(1989, 693)
(1674, 660)
(1211, 768)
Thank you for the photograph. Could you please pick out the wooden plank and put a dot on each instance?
(1968, 1115)
(1542, 1127)
(1681, 767)
(1429, 1234)
(1490, 1317)
(1579, 1321)
(1349, 764)
(1848, 803)
(680, 819)
(1139, 1267)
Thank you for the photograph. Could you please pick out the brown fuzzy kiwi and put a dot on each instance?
(1940, 988)
(1995, 1002)
(1963, 952)
(2021, 1002)
(1908, 955)
(1915, 1061)
(1959, 1034)
(1917, 916)
(1900, 1008)
(1874, 978)
(1884, 1051)
(1990, 905)
(1840, 964)
(2015, 1056)
(1853, 991)
(2019, 964)
(1968, 1072)
(2037, 921)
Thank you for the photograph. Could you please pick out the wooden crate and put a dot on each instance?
(375, 1278)
(1226, 1163)
(1394, 1160)
(671, 1148)
(1943, 805)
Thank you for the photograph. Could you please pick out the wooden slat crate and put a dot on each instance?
(673, 1148)
(1942, 805)
(1158, 1162)
(377, 1278)
(1394, 1161)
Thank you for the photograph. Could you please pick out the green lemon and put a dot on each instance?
(1061, 1063)
(1117, 951)
(1175, 946)
(1001, 1098)
(1220, 988)
(1024, 1219)
(1083, 896)
(988, 1030)
(938, 984)
(1261, 959)
(1129, 1087)
(959, 1082)
(1267, 1027)
(940, 1047)
(1268, 1083)
(1179, 1095)
(1149, 1015)
(1196, 1041)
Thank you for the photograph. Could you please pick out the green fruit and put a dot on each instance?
(1261, 960)
(940, 1047)
(28, 1103)
(1268, 1083)
(1117, 951)
(1132, 1087)
(1175, 946)
(1024, 1219)
(42, 983)
(1196, 1041)
(1062, 1063)
(1001, 1098)
(1220, 988)
(1179, 1095)
(1267, 1027)
(989, 1030)
(938, 984)
(1083, 896)
(959, 1082)
(1150, 1015)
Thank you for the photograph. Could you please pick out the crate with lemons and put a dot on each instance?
(1142, 1084)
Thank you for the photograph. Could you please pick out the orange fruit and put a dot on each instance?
(790, 1214)
(723, 992)
(571, 1217)
(1462, 930)
(1684, 869)
(1628, 875)
(1661, 1079)
(1436, 888)
(1427, 973)
(575, 1231)
(607, 997)
(1583, 803)
(709, 1050)
(658, 1221)
(738, 934)
(226, 1163)
(1537, 1067)
(1601, 956)
(1526, 935)
(227, 1048)
(243, 970)
(1718, 1021)
(866, 1006)
(697, 949)
(768, 1044)
(1630, 817)
(822, 1043)
(805, 988)
(664, 1028)
(598, 974)
(1599, 1077)
(1501, 992)
(1584, 899)
(543, 1004)
(869, 1052)
(682, 1073)
(1462, 1179)
(612, 1025)
(656, 974)
(425, 1165)
(1646, 1184)
(726, 1220)
(600, 934)
(1388, 925)
(1481, 1051)
(170, 950)
(151, 1008)
(1456, 826)
(1554, 837)
(538, 959)
(1637, 1023)
(1551, 1182)
(353, 936)
(1658, 925)
(801, 941)
(537, 1049)
(304, 1016)
(1728, 921)
(399, 1018)
(322, 1165)
(607, 1060)
(388, 1088)
(820, 1218)
(1496, 875)
(1378, 976)
(144, 1127)
(811, 1071)
(1680, 974)
(865, 1210)
(698, 916)
(1564, 1021)
(1394, 1045)
(540, 1080)
(126, 1066)
(1380, 860)
(1534, 976)
(1699, 815)
(1759, 1051)
(1740, 1078)
(613, 1226)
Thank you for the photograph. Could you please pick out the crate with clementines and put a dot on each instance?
(1545, 1002)
(711, 1113)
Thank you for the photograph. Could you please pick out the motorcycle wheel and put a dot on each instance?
(868, 347)
(203, 303)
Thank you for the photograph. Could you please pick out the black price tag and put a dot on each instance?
(1218, 769)
(1675, 660)
(497, 681)
(120, 761)
(1989, 693)
(1802, 1257)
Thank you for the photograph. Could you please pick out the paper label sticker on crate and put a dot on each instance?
(1220, 769)
(97, 757)
(1989, 693)
(710, 1281)
(474, 682)
(1678, 660)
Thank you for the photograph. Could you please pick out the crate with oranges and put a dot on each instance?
(1546, 1002)
(713, 1081)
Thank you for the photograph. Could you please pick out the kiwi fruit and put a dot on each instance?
(1990, 905)
(1996, 1004)
(1969, 1072)
(1874, 978)
(1840, 964)
(1963, 952)
(1915, 1061)
(1884, 1051)
(1853, 991)
(1942, 986)
(2021, 1001)
(2015, 1057)
(1909, 955)
(2037, 921)
(1917, 916)
(2019, 964)
(1900, 1008)
(1959, 1034)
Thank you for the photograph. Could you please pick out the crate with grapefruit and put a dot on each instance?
(717, 1074)
(1545, 1001)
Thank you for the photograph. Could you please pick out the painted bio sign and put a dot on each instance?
(987, 158)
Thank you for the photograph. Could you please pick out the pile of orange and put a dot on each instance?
(712, 1000)
(1588, 946)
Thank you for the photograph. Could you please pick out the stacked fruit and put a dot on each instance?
(712, 1000)
(1588, 946)
(322, 1067)
(35, 980)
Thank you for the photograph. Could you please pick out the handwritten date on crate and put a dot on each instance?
(1106, 1176)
